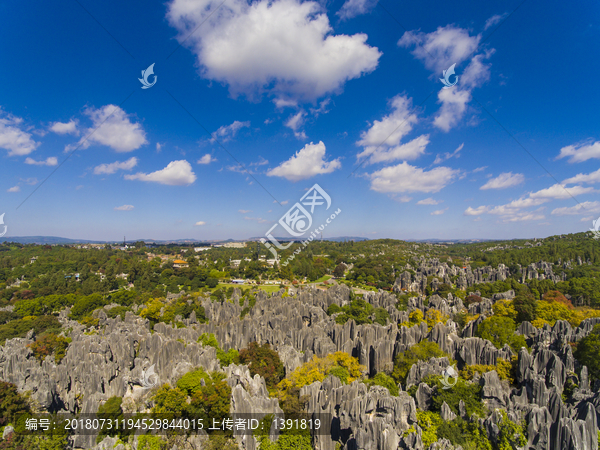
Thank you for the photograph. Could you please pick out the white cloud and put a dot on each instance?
(69, 127)
(306, 163)
(560, 192)
(476, 211)
(29, 181)
(285, 202)
(295, 122)
(454, 104)
(523, 216)
(114, 129)
(199, 224)
(206, 159)
(580, 152)
(441, 48)
(480, 169)
(124, 208)
(439, 212)
(381, 142)
(13, 138)
(177, 173)
(503, 181)
(258, 219)
(405, 152)
(227, 132)
(295, 57)
(50, 161)
(588, 178)
(403, 199)
(582, 208)
(158, 147)
(429, 201)
(14, 189)
(456, 153)
(113, 167)
(244, 211)
(406, 178)
(494, 20)
(353, 8)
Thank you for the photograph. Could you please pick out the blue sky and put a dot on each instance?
(299, 93)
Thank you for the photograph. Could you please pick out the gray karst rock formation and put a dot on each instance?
(110, 363)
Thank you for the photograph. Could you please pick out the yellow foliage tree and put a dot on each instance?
(414, 318)
(553, 311)
(505, 308)
(318, 369)
(434, 316)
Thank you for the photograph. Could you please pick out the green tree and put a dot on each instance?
(422, 351)
(588, 352)
(499, 331)
(526, 307)
(264, 361)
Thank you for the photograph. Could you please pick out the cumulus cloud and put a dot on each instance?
(439, 212)
(559, 192)
(198, 224)
(441, 48)
(580, 152)
(353, 8)
(306, 163)
(227, 132)
(114, 129)
(69, 127)
(456, 153)
(582, 208)
(177, 173)
(476, 211)
(504, 181)
(587, 178)
(111, 168)
(381, 142)
(14, 189)
(124, 208)
(295, 58)
(50, 161)
(12, 138)
(206, 159)
(406, 178)
(429, 201)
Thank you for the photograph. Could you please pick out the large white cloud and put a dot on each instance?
(306, 163)
(580, 152)
(284, 47)
(117, 165)
(177, 173)
(114, 129)
(559, 191)
(406, 178)
(504, 180)
(12, 138)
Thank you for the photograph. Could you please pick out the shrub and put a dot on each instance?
(19, 328)
(117, 311)
(225, 358)
(382, 379)
(11, 403)
(472, 298)
(414, 318)
(340, 372)
(264, 361)
(85, 305)
(422, 351)
(468, 392)
(358, 310)
(505, 308)
(48, 344)
(111, 410)
(526, 307)
(434, 316)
